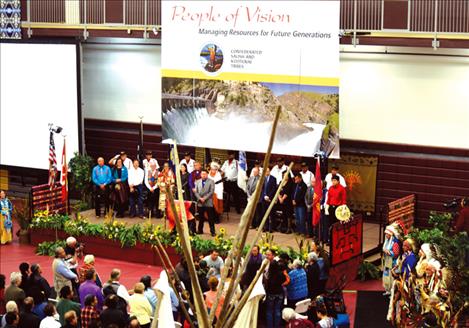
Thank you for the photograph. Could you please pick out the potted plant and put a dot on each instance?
(80, 178)
(22, 214)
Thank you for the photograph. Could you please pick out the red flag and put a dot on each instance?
(63, 176)
(171, 216)
(317, 195)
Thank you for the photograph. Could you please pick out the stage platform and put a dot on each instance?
(230, 222)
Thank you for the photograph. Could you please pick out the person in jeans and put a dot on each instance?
(273, 281)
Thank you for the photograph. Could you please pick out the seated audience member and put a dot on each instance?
(2, 294)
(112, 315)
(51, 319)
(66, 304)
(211, 296)
(295, 320)
(39, 305)
(312, 275)
(89, 287)
(254, 264)
(102, 178)
(202, 272)
(37, 283)
(62, 274)
(114, 283)
(89, 314)
(324, 320)
(27, 318)
(149, 292)
(120, 188)
(297, 289)
(13, 292)
(71, 320)
(24, 270)
(135, 180)
(140, 307)
(11, 320)
(113, 286)
(214, 263)
(12, 307)
(133, 322)
(88, 263)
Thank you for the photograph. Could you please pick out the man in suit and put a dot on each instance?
(298, 198)
(203, 193)
(267, 196)
(252, 182)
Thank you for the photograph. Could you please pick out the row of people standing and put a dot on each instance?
(295, 199)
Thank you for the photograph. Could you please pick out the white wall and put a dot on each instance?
(121, 82)
(409, 99)
(38, 86)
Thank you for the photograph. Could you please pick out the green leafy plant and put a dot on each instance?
(45, 220)
(48, 247)
(129, 236)
(80, 178)
(22, 215)
(76, 227)
(368, 271)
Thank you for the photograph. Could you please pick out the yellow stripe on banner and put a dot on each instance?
(305, 80)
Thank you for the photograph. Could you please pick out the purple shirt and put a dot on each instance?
(89, 287)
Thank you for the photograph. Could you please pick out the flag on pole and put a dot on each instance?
(172, 159)
(52, 161)
(242, 168)
(64, 175)
(317, 195)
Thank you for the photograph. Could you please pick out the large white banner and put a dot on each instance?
(227, 66)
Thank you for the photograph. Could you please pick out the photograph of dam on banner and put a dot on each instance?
(232, 114)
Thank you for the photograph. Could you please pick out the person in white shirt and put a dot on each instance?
(334, 171)
(189, 162)
(215, 175)
(229, 171)
(135, 179)
(257, 165)
(52, 317)
(306, 174)
(279, 169)
(127, 162)
(149, 160)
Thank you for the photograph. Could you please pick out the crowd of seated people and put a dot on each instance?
(82, 300)
(141, 189)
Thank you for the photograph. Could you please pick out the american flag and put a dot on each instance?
(52, 161)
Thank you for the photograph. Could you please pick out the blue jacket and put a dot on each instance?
(297, 289)
(408, 265)
(124, 174)
(269, 188)
(101, 175)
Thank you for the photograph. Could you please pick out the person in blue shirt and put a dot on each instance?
(102, 178)
(297, 289)
(121, 187)
(409, 260)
